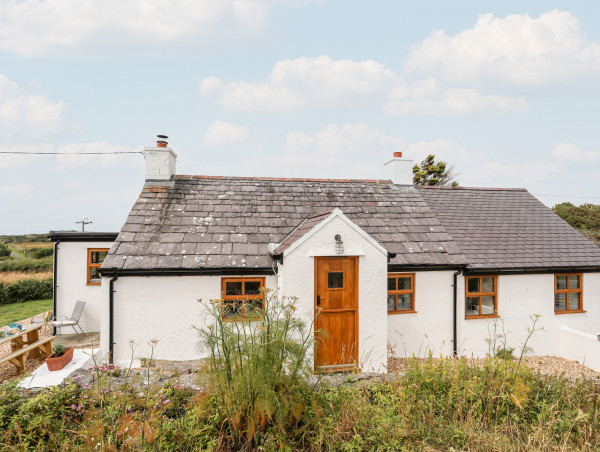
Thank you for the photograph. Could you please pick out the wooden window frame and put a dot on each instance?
(243, 297)
(568, 291)
(90, 265)
(481, 294)
(403, 292)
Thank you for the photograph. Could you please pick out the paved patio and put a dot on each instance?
(78, 340)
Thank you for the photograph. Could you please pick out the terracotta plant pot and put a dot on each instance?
(57, 363)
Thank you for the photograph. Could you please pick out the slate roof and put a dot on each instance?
(508, 228)
(307, 224)
(208, 222)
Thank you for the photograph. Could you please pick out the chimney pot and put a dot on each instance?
(398, 154)
(162, 141)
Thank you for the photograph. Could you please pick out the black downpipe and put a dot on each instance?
(54, 285)
(111, 299)
(454, 316)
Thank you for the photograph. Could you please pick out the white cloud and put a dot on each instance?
(39, 27)
(15, 190)
(453, 102)
(572, 153)
(294, 84)
(516, 48)
(324, 82)
(223, 132)
(23, 114)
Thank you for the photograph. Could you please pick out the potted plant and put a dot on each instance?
(60, 357)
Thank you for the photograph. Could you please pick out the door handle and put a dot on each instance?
(318, 300)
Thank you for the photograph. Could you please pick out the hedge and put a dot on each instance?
(27, 265)
(39, 253)
(25, 290)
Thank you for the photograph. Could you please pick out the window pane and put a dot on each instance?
(252, 287)
(94, 274)
(404, 302)
(253, 308)
(573, 281)
(391, 283)
(560, 301)
(561, 282)
(574, 301)
(97, 257)
(391, 301)
(487, 284)
(232, 309)
(404, 283)
(335, 280)
(487, 305)
(233, 288)
(472, 305)
(473, 284)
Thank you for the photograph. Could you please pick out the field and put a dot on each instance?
(18, 311)
(11, 277)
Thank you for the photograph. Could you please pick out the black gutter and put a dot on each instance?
(423, 267)
(111, 299)
(54, 286)
(454, 313)
(73, 236)
(186, 271)
(530, 270)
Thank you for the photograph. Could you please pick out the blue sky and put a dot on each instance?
(506, 91)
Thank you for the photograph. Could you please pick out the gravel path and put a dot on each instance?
(547, 365)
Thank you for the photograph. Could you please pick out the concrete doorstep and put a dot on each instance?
(43, 378)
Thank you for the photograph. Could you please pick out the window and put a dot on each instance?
(243, 297)
(568, 293)
(95, 258)
(481, 294)
(401, 293)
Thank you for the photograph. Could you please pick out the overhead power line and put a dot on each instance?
(568, 196)
(71, 153)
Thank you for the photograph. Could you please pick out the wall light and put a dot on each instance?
(339, 245)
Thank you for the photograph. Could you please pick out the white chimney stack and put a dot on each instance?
(160, 162)
(401, 170)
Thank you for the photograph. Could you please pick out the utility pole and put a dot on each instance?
(83, 223)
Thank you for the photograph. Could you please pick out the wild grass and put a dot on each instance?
(15, 312)
(11, 277)
(258, 399)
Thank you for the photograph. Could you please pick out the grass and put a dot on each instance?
(11, 277)
(19, 311)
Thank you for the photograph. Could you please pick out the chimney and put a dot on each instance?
(400, 170)
(160, 162)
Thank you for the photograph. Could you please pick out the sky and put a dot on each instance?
(508, 92)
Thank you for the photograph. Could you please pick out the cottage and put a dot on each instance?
(388, 265)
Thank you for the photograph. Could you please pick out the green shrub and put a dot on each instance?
(258, 369)
(26, 290)
(27, 265)
(39, 253)
(4, 250)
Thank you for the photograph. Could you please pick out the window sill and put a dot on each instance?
(575, 311)
(407, 311)
(94, 284)
(485, 316)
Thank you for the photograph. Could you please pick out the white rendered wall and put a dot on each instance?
(72, 284)
(430, 328)
(520, 296)
(297, 275)
(581, 347)
(165, 308)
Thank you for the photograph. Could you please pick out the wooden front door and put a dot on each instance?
(336, 311)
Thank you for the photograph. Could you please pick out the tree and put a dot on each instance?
(585, 218)
(430, 172)
(4, 250)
